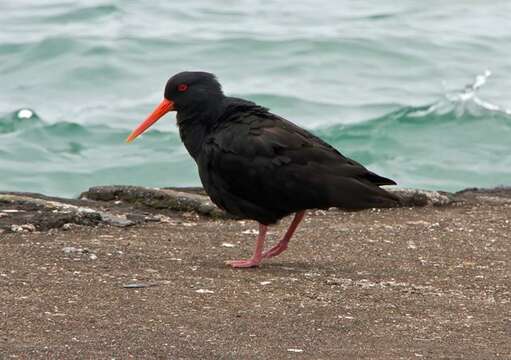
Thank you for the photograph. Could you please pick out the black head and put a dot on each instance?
(193, 90)
(189, 93)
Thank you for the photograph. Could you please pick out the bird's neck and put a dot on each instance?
(195, 124)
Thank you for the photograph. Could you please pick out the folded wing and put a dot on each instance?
(261, 163)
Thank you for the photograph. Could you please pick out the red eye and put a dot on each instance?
(182, 87)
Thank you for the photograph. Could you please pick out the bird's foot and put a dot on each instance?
(276, 250)
(244, 263)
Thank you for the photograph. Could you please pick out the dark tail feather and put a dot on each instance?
(363, 194)
(378, 180)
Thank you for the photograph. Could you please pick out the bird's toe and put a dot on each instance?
(243, 263)
(274, 251)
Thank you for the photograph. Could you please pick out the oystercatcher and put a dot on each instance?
(257, 165)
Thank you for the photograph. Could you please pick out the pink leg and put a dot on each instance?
(258, 252)
(281, 246)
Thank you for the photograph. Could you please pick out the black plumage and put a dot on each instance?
(257, 165)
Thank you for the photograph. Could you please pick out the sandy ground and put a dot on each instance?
(421, 283)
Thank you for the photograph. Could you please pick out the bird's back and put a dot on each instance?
(258, 165)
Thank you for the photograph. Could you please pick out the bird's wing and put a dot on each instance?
(268, 160)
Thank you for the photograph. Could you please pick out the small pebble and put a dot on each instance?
(23, 228)
(67, 226)
(250, 232)
(138, 285)
(204, 291)
(70, 249)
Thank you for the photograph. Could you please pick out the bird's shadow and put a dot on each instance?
(283, 268)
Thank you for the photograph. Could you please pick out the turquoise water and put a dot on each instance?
(417, 92)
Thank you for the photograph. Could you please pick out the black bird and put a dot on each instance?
(257, 165)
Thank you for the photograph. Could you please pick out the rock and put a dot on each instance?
(162, 218)
(228, 245)
(64, 213)
(415, 197)
(47, 213)
(418, 222)
(156, 198)
(498, 195)
(23, 228)
(115, 220)
(138, 285)
(68, 250)
(71, 250)
(68, 226)
(16, 228)
(204, 291)
(128, 206)
(250, 232)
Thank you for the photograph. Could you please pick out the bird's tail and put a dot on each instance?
(364, 194)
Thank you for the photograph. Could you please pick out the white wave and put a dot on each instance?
(468, 99)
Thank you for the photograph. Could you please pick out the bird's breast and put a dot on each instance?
(193, 137)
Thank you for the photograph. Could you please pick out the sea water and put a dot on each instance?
(416, 91)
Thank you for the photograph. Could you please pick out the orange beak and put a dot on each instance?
(164, 107)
